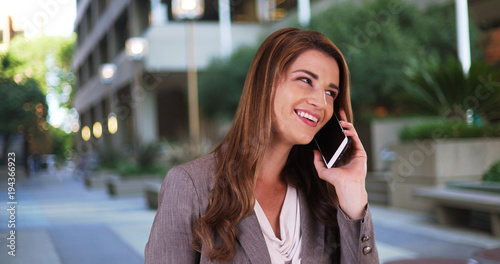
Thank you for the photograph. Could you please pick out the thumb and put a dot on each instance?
(318, 162)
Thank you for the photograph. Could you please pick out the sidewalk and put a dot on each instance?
(59, 221)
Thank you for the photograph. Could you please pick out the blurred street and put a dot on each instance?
(58, 220)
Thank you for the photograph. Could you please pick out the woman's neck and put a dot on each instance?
(273, 162)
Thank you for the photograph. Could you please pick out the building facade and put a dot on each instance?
(9, 28)
(148, 97)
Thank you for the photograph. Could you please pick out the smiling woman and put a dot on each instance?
(306, 94)
(264, 195)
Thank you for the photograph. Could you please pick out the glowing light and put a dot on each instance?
(188, 4)
(97, 129)
(75, 127)
(108, 72)
(86, 133)
(188, 9)
(136, 48)
(112, 123)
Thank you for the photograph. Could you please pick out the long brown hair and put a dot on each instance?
(241, 151)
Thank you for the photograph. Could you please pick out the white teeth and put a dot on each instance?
(308, 116)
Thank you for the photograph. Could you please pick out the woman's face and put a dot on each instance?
(304, 98)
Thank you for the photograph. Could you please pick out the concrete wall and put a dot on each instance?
(432, 163)
(167, 44)
(384, 134)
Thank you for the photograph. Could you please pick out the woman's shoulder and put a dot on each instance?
(199, 171)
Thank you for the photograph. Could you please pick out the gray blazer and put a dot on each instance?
(184, 197)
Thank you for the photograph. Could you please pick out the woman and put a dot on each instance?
(263, 195)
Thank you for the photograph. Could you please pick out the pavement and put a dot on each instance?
(59, 220)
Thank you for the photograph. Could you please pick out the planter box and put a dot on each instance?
(484, 186)
(99, 179)
(151, 193)
(384, 134)
(429, 163)
(126, 186)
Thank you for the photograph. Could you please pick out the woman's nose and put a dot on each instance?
(317, 98)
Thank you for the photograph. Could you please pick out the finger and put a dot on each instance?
(356, 142)
(347, 125)
(342, 115)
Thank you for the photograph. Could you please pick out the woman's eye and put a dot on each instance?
(306, 80)
(331, 93)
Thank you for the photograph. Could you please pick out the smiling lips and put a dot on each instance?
(309, 119)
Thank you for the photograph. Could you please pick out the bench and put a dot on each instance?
(454, 205)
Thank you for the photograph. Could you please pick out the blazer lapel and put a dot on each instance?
(313, 238)
(252, 240)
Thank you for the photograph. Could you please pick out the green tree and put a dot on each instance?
(22, 109)
(220, 85)
(32, 55)
(29, 70)
(379, 38)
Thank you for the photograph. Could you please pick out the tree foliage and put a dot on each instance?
(443, 89)
(31, 55)
(22, 110)
(25, 78)
(378, 38)
(18, 106)
(221, 83)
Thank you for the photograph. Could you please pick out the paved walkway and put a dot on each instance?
(58, 220)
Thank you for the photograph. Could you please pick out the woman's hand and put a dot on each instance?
(349, 176)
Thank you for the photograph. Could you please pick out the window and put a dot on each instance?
(18, 33)
(1, 36)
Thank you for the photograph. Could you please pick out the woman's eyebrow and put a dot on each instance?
(315, 76)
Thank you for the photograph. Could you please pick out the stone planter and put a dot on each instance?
(151, 193)
(99, 179)
(484, 186)
(127, 186)
(428, 163)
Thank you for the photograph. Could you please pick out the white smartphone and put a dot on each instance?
(331, 142)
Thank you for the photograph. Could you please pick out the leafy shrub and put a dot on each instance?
(110, 159)
(128, 169)
(447, 129)
(143, 161)
(443, 89)
(176, 153)
(493, 173)
(146, 155)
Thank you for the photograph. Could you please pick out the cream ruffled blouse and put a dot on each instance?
(287, 249)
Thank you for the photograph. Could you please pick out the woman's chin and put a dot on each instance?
(304, 140)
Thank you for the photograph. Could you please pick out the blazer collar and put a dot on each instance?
(252, 240)
(313, 234)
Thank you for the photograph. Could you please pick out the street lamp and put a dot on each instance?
(86, 133)
(112, 123)
(97, 129)
(136, 49)
(108, 71)
(190, 10)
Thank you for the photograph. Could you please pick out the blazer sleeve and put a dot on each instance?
(171, 233)
(357, 239)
